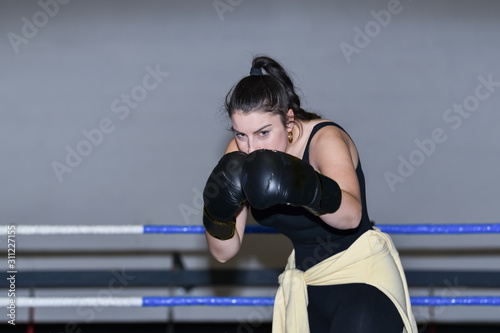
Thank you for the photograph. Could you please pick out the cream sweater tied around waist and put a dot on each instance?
(371, 259)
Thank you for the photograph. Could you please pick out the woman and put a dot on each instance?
(301, 174)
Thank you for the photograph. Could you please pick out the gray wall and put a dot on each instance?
(409, 88)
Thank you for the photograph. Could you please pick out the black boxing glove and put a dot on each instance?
(223, 196)
(271, 177)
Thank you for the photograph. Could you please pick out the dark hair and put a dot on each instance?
(272, 92)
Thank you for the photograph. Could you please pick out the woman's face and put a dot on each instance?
(259, 130)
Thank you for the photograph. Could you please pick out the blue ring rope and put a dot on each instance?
(455, 301)
(212, 301)
(490, 228)
(442, 229)
(268, 301)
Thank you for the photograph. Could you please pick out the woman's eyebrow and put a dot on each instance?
(257, 131)
(260, 129)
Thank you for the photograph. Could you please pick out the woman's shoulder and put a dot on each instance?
(331, 139)
(323, 125)
(232, 146)
(313, 131)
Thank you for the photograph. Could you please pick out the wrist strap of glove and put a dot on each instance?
(219, 230)
(328, 196)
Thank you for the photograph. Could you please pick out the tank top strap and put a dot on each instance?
(315, 129)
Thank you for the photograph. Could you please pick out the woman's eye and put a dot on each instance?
(264, 133)
(239, 135)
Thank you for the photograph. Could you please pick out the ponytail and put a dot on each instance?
(271, 92)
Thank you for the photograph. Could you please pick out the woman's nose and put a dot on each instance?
(252, 146)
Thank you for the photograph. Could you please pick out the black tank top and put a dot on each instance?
(312, 239)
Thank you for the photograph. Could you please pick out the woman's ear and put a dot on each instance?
(290, 118)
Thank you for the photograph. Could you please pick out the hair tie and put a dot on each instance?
(255, 71)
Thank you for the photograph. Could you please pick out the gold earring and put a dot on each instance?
(290, 136)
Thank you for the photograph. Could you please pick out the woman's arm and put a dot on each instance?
(223, 250)
(333, 154)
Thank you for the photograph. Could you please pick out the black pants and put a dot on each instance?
(351, 308)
